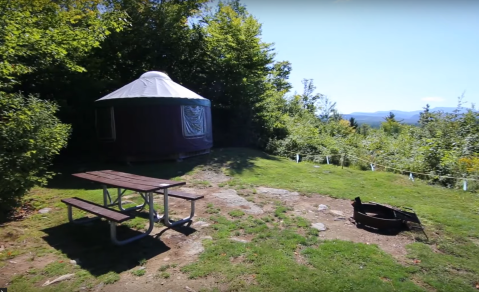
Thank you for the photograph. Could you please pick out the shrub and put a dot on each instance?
(30, 136)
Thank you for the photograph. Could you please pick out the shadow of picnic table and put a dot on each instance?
(90, 246)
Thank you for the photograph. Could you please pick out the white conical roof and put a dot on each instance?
(152, 84)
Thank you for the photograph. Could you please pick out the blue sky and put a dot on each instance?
(377, 55)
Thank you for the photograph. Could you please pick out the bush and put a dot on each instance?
(30, 136)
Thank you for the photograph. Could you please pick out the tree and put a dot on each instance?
(353, 123)
(279, 76)
(364, 129)
(309, 99)
(30, 136)
(390, 118)
(39, 33)
(236, 66)
(425, 117)
(327, 110)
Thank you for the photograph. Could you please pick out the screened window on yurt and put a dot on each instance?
(105, 123)
(194, 123)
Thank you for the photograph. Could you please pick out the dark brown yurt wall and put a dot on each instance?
(150, 132)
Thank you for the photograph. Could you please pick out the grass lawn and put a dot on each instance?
(285, 253)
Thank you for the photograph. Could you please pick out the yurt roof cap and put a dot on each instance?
(153, 87)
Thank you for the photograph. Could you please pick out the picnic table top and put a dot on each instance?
(128, 181)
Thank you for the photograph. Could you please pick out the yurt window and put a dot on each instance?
(193, 120)
(105, 123)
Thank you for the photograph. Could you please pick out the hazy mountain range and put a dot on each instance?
(376, 118)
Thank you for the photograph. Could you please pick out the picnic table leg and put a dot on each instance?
(166, 218)
(139, 207)
(150, 228)
(106, 196)
(81, 220)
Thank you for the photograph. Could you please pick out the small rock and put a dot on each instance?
(59, 279)
(99, 286)
(239, 239)
(322, 207)
(141, 268)
(339, 218)
(73, 262)
(201, 224)
(163, 283)
(2, 248)
(189, 289)
(206, 237)
(166, 259)
(337, 213)
(319, 226)
(179, 278)
(316, 166)
(195, 248)
(12, 262)
(44, 210)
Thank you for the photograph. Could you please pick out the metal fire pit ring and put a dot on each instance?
(378, 216)
(383, 217)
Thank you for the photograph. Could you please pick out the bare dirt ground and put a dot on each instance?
(185, 248)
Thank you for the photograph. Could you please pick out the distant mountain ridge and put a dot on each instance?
(412, 117)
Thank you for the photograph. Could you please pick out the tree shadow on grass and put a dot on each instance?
(236, 159)
(91, 247)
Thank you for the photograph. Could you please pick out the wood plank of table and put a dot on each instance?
(139, 177)
(135, 176)
(117, 183)
(128, 181)
(107, 175)
(172, 183)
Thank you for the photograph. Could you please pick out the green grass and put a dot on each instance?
(211, 209)
(269, 260)
(164, 275)
(110, 278)
(164, 268)
(285, 253)
(236, 213)
(138, 272)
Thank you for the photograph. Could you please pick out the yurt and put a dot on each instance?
(153, 118)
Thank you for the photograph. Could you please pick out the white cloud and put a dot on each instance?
(433, 99)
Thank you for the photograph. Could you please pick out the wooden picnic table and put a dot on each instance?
(147, 187)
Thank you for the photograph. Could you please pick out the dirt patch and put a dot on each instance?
(21, 264)
(232, 199)
(475, 241)
(278, 193)
(211, 176)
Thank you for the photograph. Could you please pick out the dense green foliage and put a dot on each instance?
(442, 146)
(30, 136)
(38, 33)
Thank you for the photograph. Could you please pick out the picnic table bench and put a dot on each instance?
(145, 186)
